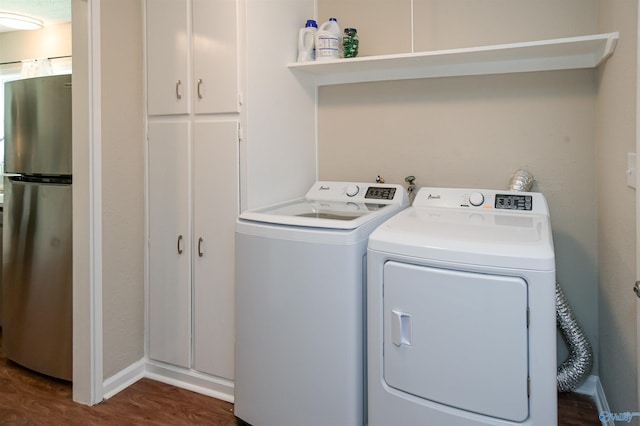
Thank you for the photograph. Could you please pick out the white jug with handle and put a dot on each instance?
(307, 41)
(328, 41)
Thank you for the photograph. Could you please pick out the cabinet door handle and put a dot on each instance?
(179, 244)
(179, 89)
(199, 86)
(200, 241)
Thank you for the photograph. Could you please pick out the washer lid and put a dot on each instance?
(319, 214)
(478, 237)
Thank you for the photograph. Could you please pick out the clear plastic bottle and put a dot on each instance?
(328, 41)
(350, 43)
(307, 41)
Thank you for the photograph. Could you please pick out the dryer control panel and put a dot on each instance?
(485, 199)
(513, 202)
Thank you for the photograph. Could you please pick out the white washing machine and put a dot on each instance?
(461, 312)
(300, 283)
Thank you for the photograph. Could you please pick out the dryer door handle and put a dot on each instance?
(401, 328)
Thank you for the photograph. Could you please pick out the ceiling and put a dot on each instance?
(51, 12)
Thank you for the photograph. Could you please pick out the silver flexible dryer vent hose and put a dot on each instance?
(575, 369)
(521, 180)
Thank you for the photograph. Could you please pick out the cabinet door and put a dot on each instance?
(167, 57)
(169, 244)
(215, 56)
(215, 183)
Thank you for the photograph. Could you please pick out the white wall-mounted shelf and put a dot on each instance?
(545, 55)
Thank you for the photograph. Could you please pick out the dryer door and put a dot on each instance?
(457, 338)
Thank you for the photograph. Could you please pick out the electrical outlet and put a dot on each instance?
(631, 169)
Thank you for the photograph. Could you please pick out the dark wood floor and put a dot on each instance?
(577, 410)
(28, 398)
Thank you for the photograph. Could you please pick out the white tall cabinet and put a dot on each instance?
(193, 188)
(212, 151)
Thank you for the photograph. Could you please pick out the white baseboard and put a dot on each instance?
(123, 379)
(183, 378)
(215, 387)
(593, 388)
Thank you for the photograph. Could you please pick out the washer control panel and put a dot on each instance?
(359, 192)
(485, 199)
(380, 193)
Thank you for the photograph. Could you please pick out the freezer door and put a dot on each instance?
(37, 277)
(37, 117)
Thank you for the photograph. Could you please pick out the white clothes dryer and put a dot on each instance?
(300, 320)
(461, 312)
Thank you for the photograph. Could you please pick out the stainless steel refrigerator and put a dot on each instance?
(37, 243)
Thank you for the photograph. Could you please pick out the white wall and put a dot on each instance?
(117, 266)
(122, 183)
(83, 361)
(385, 26)
(278, 116)
(616, 210)
(47, 42)
(108, 232)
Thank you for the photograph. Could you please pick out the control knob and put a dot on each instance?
(352, 190)
(476, 199)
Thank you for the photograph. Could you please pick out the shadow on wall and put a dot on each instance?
(614, 319)
(576, 272)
